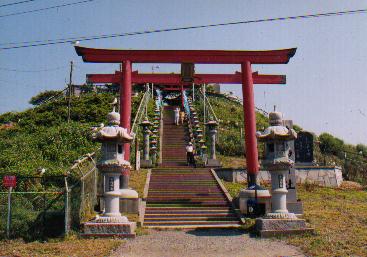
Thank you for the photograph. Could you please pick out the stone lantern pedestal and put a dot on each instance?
(112, 165)
(277, 160)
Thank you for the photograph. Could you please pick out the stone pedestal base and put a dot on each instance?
(129, 201)
(146, 164)
(213, 163)
(267, 227)
(295, 207)
(248, 197)
(95, 229)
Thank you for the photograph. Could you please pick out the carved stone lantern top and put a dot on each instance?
(112, 132)
(145, 123)
(276, 130)
(277, 148)
(212, 124)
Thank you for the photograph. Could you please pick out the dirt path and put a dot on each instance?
(217, 242)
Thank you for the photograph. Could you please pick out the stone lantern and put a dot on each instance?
(146, 162)
(112, 165)
(154, 149)
(202, 147)
(212, 129)
(277, 161)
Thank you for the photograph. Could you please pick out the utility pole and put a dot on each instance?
(70, 86)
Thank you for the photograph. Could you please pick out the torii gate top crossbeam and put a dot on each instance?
(185, 56)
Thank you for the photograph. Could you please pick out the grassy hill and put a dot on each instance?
(42, 137)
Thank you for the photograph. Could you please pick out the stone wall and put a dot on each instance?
(323, 176)
(328, 176)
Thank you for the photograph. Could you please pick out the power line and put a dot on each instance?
(46, 8)
(21, 2)
(27, 44)
(44, 70)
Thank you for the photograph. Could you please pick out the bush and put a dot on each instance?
(330, 144)
(43, 96)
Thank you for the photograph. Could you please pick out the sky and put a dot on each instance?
(326, 79)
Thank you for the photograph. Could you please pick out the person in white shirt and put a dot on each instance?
(190, 154)
(177, 115)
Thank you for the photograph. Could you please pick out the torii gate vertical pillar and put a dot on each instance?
(125, 101)
(250, 123)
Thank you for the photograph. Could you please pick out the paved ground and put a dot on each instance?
(217, 242)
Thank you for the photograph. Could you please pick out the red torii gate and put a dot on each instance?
(245, 58)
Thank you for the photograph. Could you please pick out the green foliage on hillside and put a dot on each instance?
(53, 148)
(352, 158)
(230, 131)
(41, 136)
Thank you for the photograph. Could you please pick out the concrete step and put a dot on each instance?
(196, 223)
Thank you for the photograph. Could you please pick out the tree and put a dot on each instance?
(330, 144)
(361, 148)
(43, 96)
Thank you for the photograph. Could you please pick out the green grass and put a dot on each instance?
(72, 246)
(340, 221)
(232, 161)
(339, 217)
(234, 188)
(137, 181)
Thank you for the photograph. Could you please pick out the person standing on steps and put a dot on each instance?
(182, 117)
(177, 114)
(190, 155)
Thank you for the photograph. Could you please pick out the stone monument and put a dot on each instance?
(112, 165)
(304, 145)
(278, 162)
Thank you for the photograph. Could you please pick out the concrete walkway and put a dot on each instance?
(211, 243)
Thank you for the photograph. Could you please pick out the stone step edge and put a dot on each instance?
(193, 226)
(186, 215)
(228, 196)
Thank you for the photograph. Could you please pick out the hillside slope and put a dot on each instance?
(41, 136)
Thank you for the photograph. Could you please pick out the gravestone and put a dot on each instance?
(304, 148)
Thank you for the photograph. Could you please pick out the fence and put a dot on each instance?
(81, 192)
(37, 207)
(50, 206)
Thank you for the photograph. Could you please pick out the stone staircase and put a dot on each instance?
(174, 141)
(181, 196)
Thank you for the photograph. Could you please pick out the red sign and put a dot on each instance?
(9, 181)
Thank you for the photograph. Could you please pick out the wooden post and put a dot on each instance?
(8, 225)
(70, 87)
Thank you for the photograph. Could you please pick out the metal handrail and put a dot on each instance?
(205, 98)
(140, 112)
